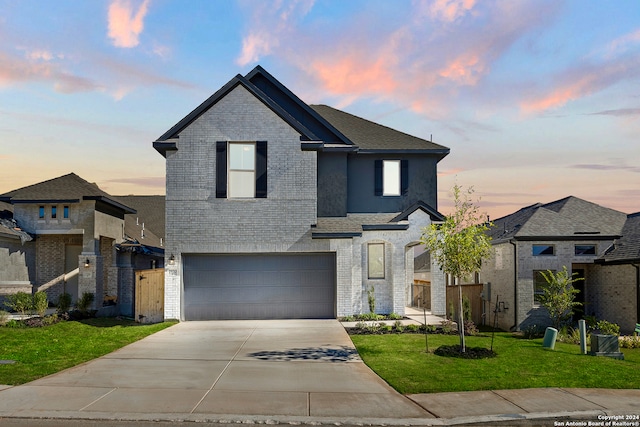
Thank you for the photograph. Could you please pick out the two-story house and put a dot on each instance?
(279, 209)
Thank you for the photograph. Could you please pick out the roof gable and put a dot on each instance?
(174, 132)
(625, 250)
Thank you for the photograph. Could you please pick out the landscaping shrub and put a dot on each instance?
(394, 316)
(348, 319)
(608, 328)
(398, 326)
(569, 335)
(20, 302)
(629, 341)
(412, 328)
(533, 331)
(85, 301)
(64, 303)
(447, 326)
(4, 317)
(40, 303)
(470, 328)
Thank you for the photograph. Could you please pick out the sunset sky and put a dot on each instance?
(537, 100)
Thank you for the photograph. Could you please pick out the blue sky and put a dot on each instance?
(537, 100)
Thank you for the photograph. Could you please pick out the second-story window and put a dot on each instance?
(391, 177)
(65, 212)
(54, 212)
(543, 250)
(41, 212)
(242, 170)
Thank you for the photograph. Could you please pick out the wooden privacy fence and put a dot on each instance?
(149, 296)
(473, 293)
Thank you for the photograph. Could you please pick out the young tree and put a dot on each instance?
(558, 295)
(459, 244)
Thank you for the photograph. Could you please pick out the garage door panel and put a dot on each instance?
(259, 286)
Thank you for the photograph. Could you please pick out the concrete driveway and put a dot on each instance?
(270, 368)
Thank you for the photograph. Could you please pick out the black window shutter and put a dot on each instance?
(404, 177)
(221, 169)
(261, 169)
(378, 177)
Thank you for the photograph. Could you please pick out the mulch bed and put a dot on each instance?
(470, 352)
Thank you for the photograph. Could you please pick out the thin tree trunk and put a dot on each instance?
(463, 348)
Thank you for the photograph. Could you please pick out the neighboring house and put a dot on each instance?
(569, 232)
(279, 209)
(84, 240)
(16, 252)
(619, 268)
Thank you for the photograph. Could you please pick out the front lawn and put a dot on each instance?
(401, 360)
(43, 351)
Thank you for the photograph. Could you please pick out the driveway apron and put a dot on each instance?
(273, 367)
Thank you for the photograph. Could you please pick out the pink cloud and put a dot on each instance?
(126, 24)
(270, 23)
(582, 81)
(450, 10)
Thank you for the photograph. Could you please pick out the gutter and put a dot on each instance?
(515, 286)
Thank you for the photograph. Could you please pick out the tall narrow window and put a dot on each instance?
(41, 212)
(538, 284)
(375, 260)
(242, 170)
(391, 178)
(54, 212)
(65, 212)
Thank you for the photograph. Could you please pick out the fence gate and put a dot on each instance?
(149, 296)
(472, 293)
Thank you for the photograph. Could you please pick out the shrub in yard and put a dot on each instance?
(40, 303)
(348, 319)
(470, 328)
(608, 328)
(447, 326)
(394, 316)
(629, 341)
(569, 335)
(85, 301)
(64, 303)
(20, 302)
(532, 332)
(412, 328)
(4, 317)
(399, 327)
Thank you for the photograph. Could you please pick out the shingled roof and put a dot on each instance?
(568, 218)
(68, 188)
(368, 135)
(146, 226)
(625, 250)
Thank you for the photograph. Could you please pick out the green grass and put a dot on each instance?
(401, 360)
(43, 351)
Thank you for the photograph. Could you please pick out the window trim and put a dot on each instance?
(381, 275)
(65, 212)
(54, 212)
(41, 212)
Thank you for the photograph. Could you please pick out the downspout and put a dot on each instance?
(515, 286)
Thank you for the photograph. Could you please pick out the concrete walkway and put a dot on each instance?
(297, 371)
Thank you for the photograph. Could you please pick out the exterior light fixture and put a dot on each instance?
(87, 263)
(172, 260)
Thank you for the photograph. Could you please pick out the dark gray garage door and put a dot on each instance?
(259, 286)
